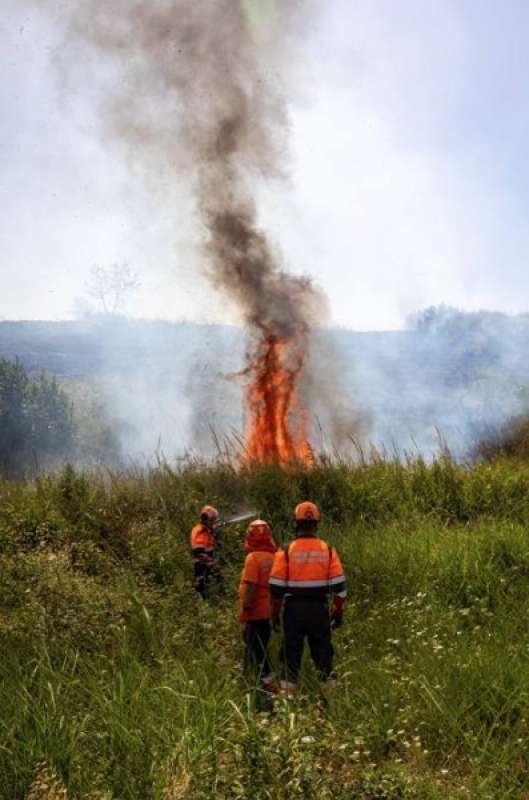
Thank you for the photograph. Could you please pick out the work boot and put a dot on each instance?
(287, 689)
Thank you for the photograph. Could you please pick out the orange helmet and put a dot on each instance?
(307, 510)
(209, 515)
(259, 536)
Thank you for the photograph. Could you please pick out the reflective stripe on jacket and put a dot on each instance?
(309, 567)
(202, 540)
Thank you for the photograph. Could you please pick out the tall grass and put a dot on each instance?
(116, 682)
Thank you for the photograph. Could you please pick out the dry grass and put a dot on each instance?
(46, 785)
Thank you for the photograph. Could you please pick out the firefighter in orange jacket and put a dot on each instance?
(303, 575)
(203, 539)
(254, 594)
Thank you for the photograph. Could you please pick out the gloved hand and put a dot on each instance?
(336, 619)
(276, 623)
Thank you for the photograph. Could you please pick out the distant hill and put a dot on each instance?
(86, 349)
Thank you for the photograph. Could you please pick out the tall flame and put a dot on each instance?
(277, 423)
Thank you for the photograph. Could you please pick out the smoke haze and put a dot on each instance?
(407, 137)
(452, 377)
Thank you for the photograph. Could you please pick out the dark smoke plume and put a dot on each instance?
(193, 94)
(199, 91)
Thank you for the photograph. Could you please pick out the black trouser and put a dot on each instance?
(256, 636)
(307, 618)
(203, 574)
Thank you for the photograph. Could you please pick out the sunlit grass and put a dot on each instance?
(117, 683)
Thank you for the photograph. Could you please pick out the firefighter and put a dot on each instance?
(255, 605)
(203, 540)
(303, 574)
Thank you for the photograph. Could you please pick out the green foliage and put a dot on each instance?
(35, 419)
(117, 682)
(44, 424)
(96, 432)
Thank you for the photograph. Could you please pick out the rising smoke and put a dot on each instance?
(200, 89)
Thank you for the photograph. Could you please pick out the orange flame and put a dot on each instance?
(277, 425)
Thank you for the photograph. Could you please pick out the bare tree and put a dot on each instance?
(110, 287)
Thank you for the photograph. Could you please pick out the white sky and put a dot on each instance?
(409, 187)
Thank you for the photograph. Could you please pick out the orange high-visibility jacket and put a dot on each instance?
(257, 567)
(308, 567)
(202, 541)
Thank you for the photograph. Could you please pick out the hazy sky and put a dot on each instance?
(409, 180)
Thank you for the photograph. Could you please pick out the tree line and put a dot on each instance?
(40, 425)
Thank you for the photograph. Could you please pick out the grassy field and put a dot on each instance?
(117, 683)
